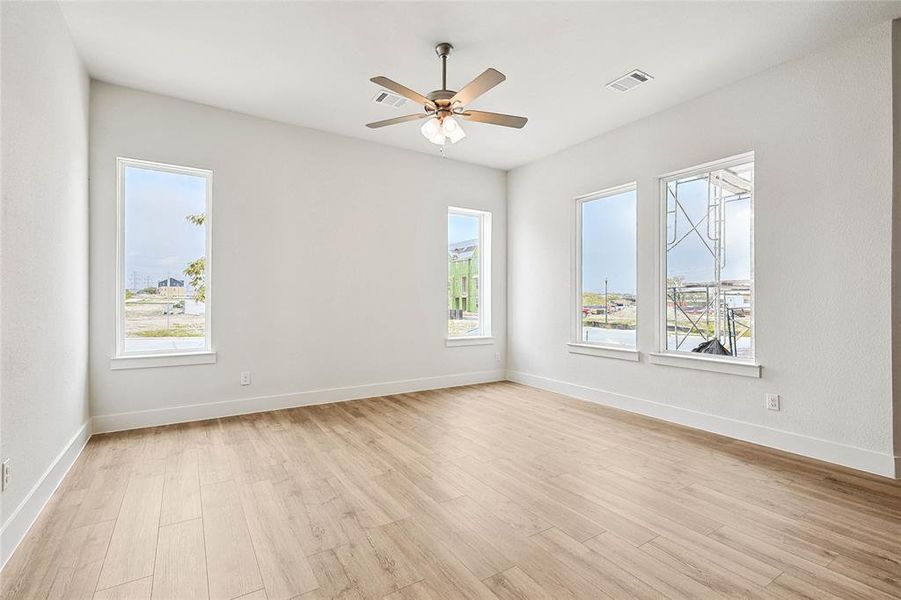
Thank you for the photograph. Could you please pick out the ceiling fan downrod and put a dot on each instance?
(443, 50)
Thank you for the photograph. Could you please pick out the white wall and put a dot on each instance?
(821, 128)
(44, 297)
(896, 239)
(329, 262)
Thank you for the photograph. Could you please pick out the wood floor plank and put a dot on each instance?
(132, 548)
(281, 559)
(515, 584)
(180, 568)
(486, 491)
(593, 566)
(133, 590)
(231, 562)
(441, 569)
(669, 582)
(79, 565)
(181, 488)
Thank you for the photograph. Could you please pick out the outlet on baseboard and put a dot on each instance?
(245, 377)
(772, 402)
(4, 475)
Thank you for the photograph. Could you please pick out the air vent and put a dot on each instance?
(629, 81)
(389, 99)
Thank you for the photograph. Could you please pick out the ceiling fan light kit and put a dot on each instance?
(442, 108)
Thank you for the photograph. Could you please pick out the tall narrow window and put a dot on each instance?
(606, 293)
(163, 291)
(709, 258)
(468, 273)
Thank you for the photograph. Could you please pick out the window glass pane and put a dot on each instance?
(164, 260)
(709, 262)
(608, 278)
(463, 259)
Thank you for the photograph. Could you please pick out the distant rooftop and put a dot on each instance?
(463, 250)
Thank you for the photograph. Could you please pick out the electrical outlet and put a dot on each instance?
(772, 402)
(497, 357)
(4, 476)
(245, 377)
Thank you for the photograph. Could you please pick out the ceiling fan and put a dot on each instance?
(443, 106)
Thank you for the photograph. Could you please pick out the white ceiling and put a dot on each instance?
(310, 63)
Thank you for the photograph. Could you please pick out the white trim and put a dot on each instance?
(705, 363)
(485, 233)
(576, 259)
(811, 447)
(621, 352)
(241, 406)
(478, 340)
(207, 175)
(661, 265)
(23, 517)
(147, 361)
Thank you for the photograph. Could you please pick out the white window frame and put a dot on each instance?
(747, 367)
(485, 336)
(576, 344)
(142, 359)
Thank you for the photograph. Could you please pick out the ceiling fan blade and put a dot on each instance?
(397, 120)
(403, 91)
(478, 86)
(494, 118)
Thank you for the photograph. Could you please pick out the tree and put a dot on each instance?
(196, 269)
(196, 272)
(198, 219)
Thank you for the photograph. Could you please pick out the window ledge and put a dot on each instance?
(479, 340)
(620, 353)
(706, 363)
(148, 361)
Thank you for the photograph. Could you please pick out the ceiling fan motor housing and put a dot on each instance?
(441, 98)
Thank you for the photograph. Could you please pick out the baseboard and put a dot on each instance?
(840, 454)
(23, 517)
(229, 408)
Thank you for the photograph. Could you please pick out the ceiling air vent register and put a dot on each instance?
(389, 99)
(629, 81)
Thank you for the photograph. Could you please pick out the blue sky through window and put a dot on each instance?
(608, 243)
(461, 228)
(159, 240)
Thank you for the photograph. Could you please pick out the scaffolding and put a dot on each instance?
(710, 310)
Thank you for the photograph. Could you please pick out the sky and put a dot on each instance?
(461, 228)
(159, 241)
(690, 258)
(609, 243)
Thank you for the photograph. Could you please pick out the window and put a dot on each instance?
(468, 273)
(709, 260)
(606, 294)
(163, 294)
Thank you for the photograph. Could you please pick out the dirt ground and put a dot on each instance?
(146, 315)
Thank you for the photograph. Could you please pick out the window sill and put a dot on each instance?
(148, 361)
(604, 351)
(705, 363)
(480, 340)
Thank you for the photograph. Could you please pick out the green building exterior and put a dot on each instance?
(463, 277)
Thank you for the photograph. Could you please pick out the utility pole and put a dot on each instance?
(606, 304)
(168, 304)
